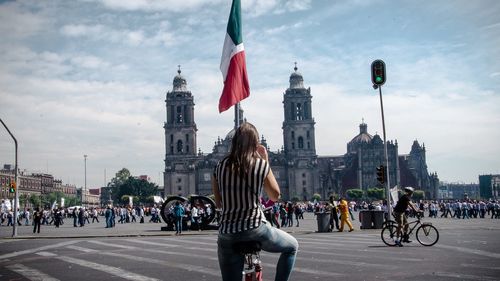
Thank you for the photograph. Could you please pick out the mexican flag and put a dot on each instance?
(233, 65)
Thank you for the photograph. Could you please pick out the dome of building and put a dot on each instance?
(230, 135)
(377, 140)
(296, 79)
(362, 137)
(179, 82)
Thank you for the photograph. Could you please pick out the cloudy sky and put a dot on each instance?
(89, 77)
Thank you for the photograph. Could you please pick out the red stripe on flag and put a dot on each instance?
(236, 86)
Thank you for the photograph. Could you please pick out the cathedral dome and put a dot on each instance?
(230, 135)
(296, 79)
(362, 137)
(179, 82)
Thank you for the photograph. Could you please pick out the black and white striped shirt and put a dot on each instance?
(240, 196)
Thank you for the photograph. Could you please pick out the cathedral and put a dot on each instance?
(299, 171)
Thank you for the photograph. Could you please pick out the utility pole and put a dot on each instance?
(16, 196)
(85, 189)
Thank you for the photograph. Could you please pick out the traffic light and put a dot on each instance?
(378, 72)
(12, 188)
(381, 174)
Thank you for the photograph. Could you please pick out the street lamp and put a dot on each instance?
(85, 188)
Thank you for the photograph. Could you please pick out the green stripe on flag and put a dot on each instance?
(234, 23)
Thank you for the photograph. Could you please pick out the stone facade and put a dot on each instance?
(299, 171)
(32, 184)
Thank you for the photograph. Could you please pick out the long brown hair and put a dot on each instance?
(243, 148)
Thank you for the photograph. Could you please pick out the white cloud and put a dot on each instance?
(18, 24)
(157, 5)
(82, 30)
(89, 62)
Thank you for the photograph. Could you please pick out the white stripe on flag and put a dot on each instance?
(228, 51)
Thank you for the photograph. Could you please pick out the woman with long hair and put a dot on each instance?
(237, 184)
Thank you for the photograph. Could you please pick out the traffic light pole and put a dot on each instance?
(388, 187)
(16, 199)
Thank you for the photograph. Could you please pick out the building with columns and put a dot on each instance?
(300, 172)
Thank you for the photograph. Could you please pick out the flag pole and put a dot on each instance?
(236, 115)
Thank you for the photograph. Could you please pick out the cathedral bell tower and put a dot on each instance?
(299, 139)
(180, 139)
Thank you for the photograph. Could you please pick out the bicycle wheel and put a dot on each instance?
(388, 234)
(427, 235)
(389, 222)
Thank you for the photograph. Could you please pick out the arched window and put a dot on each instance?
(293, 135)
(179, 146)
(301, 143)
(299, 112)
(180, 118)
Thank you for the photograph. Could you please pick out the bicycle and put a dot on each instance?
(426, 233)
(252, 270)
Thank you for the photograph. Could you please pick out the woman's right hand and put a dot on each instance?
(262, 152)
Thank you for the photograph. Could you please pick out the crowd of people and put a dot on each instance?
(279, 214)
(80, 216)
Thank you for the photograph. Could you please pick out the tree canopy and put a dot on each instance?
(124, 185)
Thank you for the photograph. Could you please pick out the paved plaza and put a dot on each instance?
(466, 250)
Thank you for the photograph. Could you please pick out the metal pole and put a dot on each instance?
(388, 187)
(85, 189)
(16, 196)
(236, 116)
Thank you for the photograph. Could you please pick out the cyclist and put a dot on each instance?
(237, 184)
(399, 214)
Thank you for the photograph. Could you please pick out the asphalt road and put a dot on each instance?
(467, 250)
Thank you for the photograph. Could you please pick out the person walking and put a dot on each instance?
(237, 184)
(95, 215)
(344, 215)
(195, 218)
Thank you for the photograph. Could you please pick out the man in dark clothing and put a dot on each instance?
(75, 216)
(399, 213)
(81, 218)
(37, 220)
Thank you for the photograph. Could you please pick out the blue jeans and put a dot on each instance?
(178, 224)
(272, 240)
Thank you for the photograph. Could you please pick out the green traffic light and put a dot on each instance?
(378, 79)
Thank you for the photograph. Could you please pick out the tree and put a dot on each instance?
(316, 196)
(376, 193)
(35, 201)
(354, 193)
(23, 200)
(418, 195)
(123, 184)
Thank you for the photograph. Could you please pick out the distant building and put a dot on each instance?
(300, 172)
(30, 185)
(489, 186)
(458, 191)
